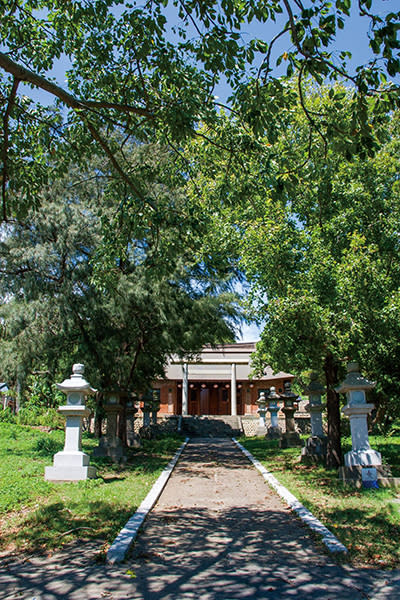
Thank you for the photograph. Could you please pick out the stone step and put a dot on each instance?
(211, 426)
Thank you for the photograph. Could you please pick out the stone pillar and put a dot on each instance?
(290, 439)
(315, 448)
(132, 439)
(146, 408)
(262, 409)
(110, 444)
(71, 464)
(155, 407)
(233, 390)
(185, 390)
(274, 431)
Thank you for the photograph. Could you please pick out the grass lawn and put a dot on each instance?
(36, 515)
(366, 521)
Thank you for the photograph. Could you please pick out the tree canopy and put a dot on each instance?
(319, 244)
(151, 293)
(151, 71)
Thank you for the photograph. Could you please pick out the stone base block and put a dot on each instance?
(111, 448)
(69, 473)
(133, 441)
(363, 458)
(314, 450)
(274, 433)
(261, 431)
(353, 475)
(290, 440)
(70, 459)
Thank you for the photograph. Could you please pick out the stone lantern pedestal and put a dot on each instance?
(71, 464)
(316, 444)
(262, 410)
(274, 431)
(110, 444)
(291, 438)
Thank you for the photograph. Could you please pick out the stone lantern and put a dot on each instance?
(262, 409)
(357, 409)
(315, 448)
(155, 406)
(110, 444)
(71, 464)
(274, 431)
(291, 438)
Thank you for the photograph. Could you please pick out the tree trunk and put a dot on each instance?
(334, 448)
(122, 420)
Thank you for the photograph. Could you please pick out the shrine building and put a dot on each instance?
(216, 382)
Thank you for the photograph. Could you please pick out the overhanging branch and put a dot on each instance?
(24, 74)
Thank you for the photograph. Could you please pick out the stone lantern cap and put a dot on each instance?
(76, 383)
(273, 394)
(261, 398)
(287, 393)
(354, 380)
(314, 387)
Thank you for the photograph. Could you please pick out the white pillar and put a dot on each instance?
(233, 390)
(185, 389)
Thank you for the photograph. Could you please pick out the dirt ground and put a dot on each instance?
(218, 532)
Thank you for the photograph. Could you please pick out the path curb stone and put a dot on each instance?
(126, 536)
(330, 541)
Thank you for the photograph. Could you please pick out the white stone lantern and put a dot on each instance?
(357, 409)
(262, 410)
(274, 431)
(71, 464)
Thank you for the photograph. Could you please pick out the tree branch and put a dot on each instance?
(190, 17)
(96, 136)
(306, 112)
(268, 55)
(303, 164)
(24, 74)
(139, 348)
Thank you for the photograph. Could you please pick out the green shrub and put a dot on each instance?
(34, 415)
(7, 416)
(394, 428)
(28, 415)
(47, 446)
(51, 418)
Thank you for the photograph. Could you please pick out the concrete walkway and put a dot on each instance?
(217, 533)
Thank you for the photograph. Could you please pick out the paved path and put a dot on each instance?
(217, 533)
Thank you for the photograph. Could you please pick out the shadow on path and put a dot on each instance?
(217, 533)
